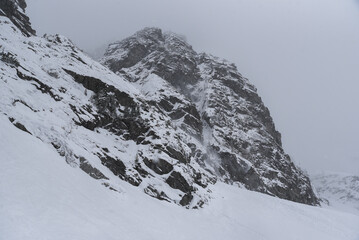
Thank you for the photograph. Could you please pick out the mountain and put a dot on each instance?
(339, 190)
(232, 131)
(80, 144)
(161, 117)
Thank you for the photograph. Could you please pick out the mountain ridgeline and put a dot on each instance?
(154, 113)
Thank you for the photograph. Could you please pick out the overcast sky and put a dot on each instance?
(303, 56)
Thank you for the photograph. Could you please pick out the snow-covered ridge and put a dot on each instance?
(339, 190)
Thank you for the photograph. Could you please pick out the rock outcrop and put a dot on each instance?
(15, 11)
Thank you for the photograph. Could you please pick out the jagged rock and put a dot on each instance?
(153, 192)
(19, 125)
(115, 165)
(186, 199)
(177, 181)
(177, 154)
(15, 11)
(159, 166)
(93, 172)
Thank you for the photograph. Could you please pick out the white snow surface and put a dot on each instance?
(42, 197)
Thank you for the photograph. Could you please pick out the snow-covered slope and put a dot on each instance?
(339, 190)
(42, 197)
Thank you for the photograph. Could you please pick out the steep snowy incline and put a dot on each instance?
(338, 190)
(45, 198)
(209, 99)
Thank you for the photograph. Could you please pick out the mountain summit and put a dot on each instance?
(158, 116)
(231, 131)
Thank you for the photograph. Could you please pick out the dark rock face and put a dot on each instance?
(187, 198)
(109, 100)
(137, 50)
(160, 166)
(210, 100)
(177, 181)
(124, 116)
(15, 11)
(93, 172)
(19, 125)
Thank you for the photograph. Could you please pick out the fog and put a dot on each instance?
(302, 55)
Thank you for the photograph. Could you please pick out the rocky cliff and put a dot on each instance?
(14, 10)
(213, 103)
